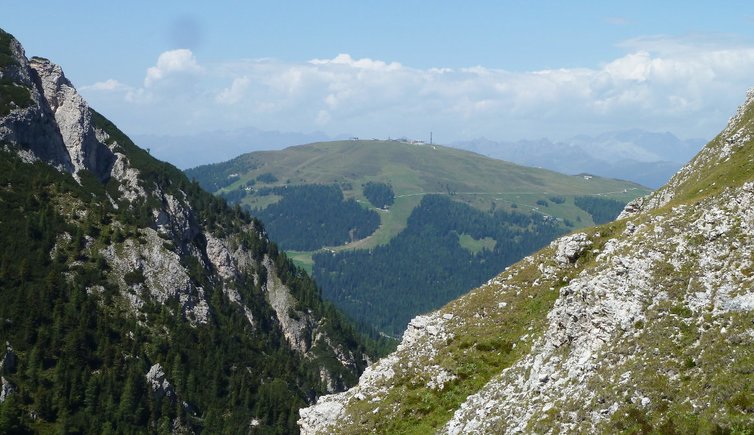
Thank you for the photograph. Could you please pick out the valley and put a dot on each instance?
(208, 226)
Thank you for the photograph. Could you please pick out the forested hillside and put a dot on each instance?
(439, 256)
(312, 216)
(132, 300)
(602, 210)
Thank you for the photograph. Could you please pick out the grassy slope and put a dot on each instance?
(415, 170)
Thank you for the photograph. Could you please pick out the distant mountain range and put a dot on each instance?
(644, 157)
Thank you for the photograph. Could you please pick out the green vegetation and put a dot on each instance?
(267, 178)
(381, 195)
(711, 173)
(426, 266)
(6, 55)
(310, 217)
(602, 210)
(476, 246)
(12, 95)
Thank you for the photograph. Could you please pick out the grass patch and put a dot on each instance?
(475, 246)
(302, 260)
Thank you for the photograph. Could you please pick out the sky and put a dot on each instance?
(504, 70)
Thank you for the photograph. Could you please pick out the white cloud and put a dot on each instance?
(110, 85)
(170, 62)
(235, 92)
(687, 86)
(365, 63)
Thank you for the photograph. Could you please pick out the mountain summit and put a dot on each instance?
(640, 325)
(133, 301)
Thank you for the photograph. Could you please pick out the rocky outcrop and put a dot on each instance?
(220, 257)
(56, 126)
(6, 389)
(173, 219)
(297, 326)
(145, 264)
(31, 130)
(569, 248)
(158, 383)
(74, 120)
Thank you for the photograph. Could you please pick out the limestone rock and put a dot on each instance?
(164, 275)
(6, 389)
(219, 255)
(296, 325)
(32, 131)
(159, 384)
(74, 120)
(570, 247)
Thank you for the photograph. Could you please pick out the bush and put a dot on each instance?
(134, 277)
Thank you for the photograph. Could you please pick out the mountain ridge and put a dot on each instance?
(643, 157)
(411, 169)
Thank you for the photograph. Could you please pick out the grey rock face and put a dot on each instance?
(569, 248)
(74, 120)
(6, 389)
(164, 275)
(158, 383)
(220, 257)
(32, 131)
(296, 326)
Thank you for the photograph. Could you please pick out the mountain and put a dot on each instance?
(642, 325)
(132, 300)
(391, 229)
(187, 151)
(644, 157)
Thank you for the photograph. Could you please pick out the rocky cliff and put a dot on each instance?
(641, 325)
(135, 280)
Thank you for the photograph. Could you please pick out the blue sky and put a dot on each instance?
(500, 69)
